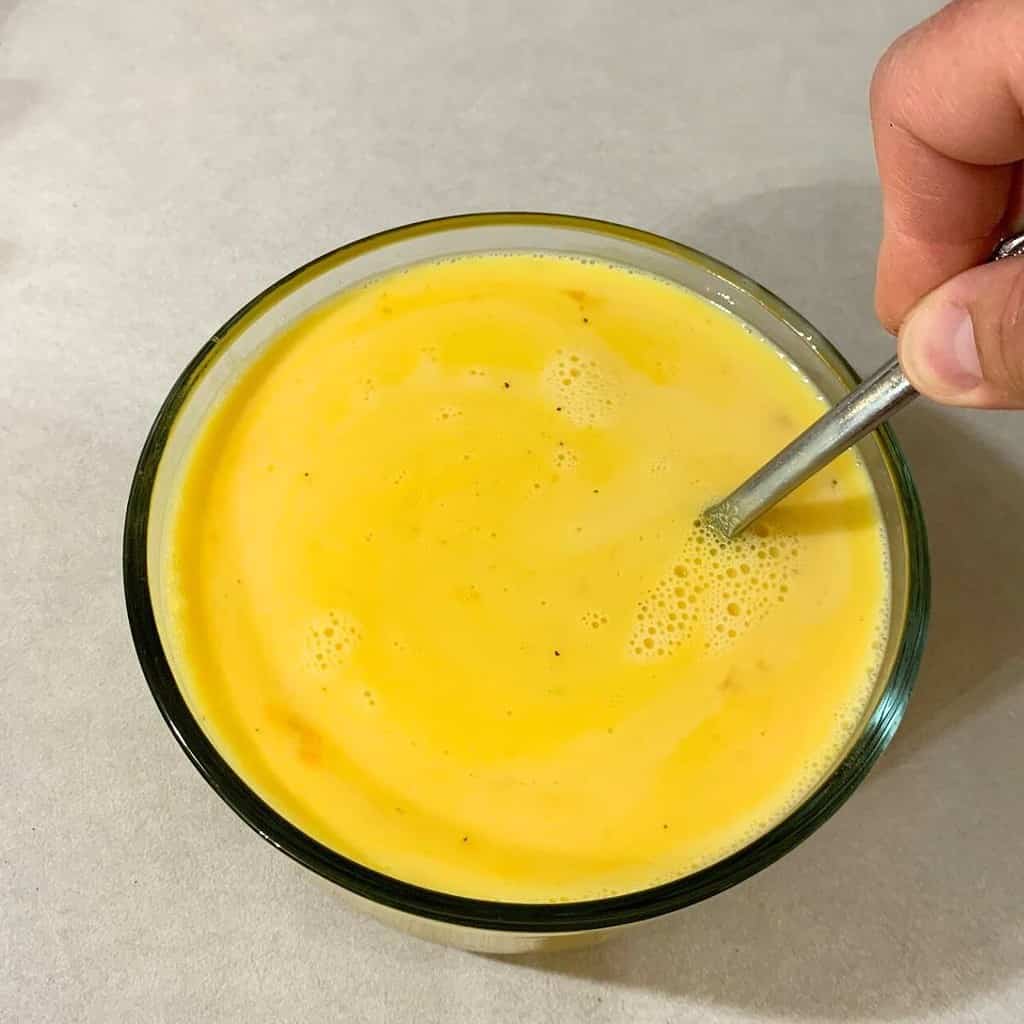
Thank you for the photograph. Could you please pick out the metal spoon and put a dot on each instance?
(882, 394)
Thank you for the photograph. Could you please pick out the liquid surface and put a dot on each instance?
(439, 598)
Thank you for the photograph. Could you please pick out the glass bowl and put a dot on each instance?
(473, 923)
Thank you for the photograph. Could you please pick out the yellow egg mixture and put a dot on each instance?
(438, 595)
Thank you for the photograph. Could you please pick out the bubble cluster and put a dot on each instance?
(563, 457)
(594, 619)
(582, 390)
(449, 412)
(330, 640)
(723, 586)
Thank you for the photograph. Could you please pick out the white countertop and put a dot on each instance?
(161, 163)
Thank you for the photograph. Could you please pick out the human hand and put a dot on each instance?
(947, 110)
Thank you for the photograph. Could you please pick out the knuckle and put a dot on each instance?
(888, 80)
(881, 83)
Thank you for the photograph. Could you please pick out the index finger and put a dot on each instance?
(946, 114)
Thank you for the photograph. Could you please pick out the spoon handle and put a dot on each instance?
(863, 409)
(855, 415)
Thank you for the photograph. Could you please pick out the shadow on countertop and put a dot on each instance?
(18, 96)
(909, 901)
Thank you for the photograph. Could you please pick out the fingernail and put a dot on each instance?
(938, 350)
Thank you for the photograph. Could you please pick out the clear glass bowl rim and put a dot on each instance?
(394, 893)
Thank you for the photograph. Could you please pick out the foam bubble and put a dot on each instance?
(711, 583)
(563, 457)
(581, 388)
(331, 638)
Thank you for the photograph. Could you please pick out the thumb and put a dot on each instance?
(963, 344)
